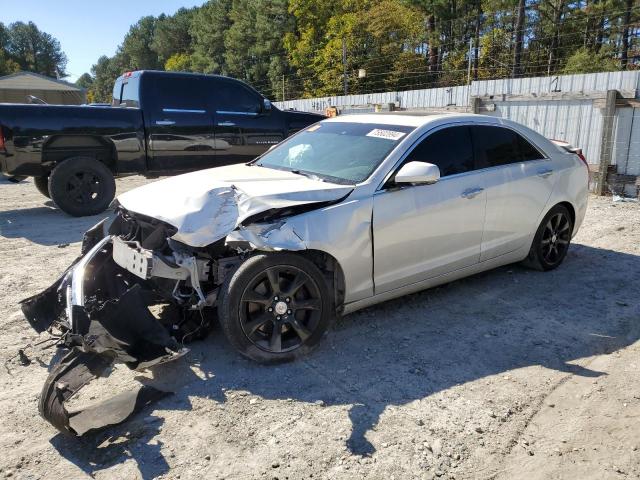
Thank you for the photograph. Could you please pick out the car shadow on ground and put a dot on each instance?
(411, 348)
(32, 224)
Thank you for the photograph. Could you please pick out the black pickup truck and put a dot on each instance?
(158, 123)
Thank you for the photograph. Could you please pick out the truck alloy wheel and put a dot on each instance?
(82, 186)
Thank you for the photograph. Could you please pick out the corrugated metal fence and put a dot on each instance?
(577, 121)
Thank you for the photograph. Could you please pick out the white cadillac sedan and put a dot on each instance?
(349, 212)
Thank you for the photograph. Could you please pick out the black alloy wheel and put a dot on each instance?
(556, 238)
(275, 307)
(280, 309)
(552, 240)
(82, 186)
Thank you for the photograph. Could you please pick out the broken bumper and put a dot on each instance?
(103, 319)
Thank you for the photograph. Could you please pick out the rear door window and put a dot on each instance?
(496, 146)
(174, 94)
(450, 149)
(527, 151)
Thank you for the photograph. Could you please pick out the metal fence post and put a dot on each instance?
(606, 144)
(475, 104)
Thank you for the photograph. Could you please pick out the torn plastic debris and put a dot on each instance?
(268, 237)
(99, 333)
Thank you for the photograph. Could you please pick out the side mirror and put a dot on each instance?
(418, 172)
(266, 106)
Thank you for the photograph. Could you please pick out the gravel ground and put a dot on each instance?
(507, 374)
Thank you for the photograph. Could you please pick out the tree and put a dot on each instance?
(136, 51)
(179, 62)
(105, 72)
(85, 81)
(33, 50)
(519, 42)
(626, 20)
(253, 43)
(171, 35)
(587, 61)
(297, 46)
(208, 27)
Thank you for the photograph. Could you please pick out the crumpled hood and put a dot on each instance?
(207, 205)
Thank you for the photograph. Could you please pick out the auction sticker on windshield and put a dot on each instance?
(387, 134)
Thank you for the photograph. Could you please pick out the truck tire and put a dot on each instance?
(82, 186)
(42, 184)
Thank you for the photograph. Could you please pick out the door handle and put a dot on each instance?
(472, 192)
(544, 173)
(226, 124)
(165, 122)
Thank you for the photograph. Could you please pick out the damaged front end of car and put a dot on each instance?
(100, 310)
(170, 247)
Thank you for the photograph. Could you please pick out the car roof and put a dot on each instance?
(410, 119)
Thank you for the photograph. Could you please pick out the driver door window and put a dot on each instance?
(234, 98)
(450, 149)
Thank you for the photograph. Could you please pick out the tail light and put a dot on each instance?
(1, 139)
(581, 156)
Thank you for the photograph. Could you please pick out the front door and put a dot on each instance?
(180, 132)
(423, 231)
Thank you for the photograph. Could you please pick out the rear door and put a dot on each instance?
(518, 180)
(422, 231)
(243, 129)
(179, 128)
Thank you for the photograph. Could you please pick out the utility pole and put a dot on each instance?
(345, 81)
(469, 62)
(283, 99)
(469, 71)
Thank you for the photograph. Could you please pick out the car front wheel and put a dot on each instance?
(275, 307)
(552, 239)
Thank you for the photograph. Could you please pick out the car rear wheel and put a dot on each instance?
(275, 307)
(82, 186)
(551, 242)
(42, 184)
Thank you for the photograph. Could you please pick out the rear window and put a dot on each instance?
(126, 92)
(497, 146)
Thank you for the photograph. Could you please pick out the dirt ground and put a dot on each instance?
(507, 374)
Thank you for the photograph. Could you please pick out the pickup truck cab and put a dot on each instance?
(158, 123)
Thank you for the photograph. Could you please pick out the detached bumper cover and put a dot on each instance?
(116, 328)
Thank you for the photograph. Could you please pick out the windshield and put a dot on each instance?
(338, 152)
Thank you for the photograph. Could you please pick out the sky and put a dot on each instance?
(87, 29)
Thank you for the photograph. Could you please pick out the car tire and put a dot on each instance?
(42, 185)
(275, 307)
(552, 240)
(82, 186)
